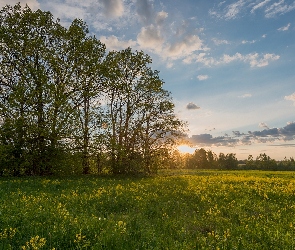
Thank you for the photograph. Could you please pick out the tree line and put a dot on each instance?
(206, 159)
(67, 105)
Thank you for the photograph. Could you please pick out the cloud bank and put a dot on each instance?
(286, 133)
(158, 33)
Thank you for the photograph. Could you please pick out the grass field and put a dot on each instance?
(175, 210)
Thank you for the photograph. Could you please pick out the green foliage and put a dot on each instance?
(175, 210)
(140, 119)
(228, 161)
(53, 81)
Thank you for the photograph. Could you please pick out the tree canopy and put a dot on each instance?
(66, 101)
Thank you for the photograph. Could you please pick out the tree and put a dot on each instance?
(212, 159)
(49, 79)
(88, 54)
(264, 162)
(228, 161)
(250, 164)
(139, 113)
(28, 43)
(52, 83)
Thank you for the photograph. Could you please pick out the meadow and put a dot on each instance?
(174, 210)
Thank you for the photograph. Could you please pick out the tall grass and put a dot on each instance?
(199, 210)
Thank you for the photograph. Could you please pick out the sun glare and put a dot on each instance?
(186, 149)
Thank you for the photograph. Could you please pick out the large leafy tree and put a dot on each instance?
(28, 75)
(58, 91)
(141, 124)
(44, 70)
(88, 54)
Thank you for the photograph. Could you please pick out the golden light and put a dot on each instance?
(186, 149)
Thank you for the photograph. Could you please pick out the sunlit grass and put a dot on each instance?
(176, 210)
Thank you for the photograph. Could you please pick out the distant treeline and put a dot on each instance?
(202, 159)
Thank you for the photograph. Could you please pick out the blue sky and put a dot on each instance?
(230, 65)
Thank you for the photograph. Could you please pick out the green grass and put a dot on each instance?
(176, 210)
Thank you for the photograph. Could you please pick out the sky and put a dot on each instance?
(229, 65)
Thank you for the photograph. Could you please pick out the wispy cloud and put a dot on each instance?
(263, 125)
(227, 12)
(259, 5)
(219, 42)
(254, 59)
(279, 8)
(202, 77)
(234, 10)
(191, 105)
(285, 28)
(245, 96)
(249, 42)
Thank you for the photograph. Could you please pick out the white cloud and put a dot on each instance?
(202, 77)
(113, 43)
(67, 12)
(150, 37)
(185, 47)
(259, 5)
(234, 9)
(249, 42)
(285, 28)
(279, 8)
(160, 18)
(33, 4)
(229, 59)
(113, 8)
(254, 59)
(207, 61)
(257, 61)
(245, 96)
(230, 11)
(291, 98)
(219, 42)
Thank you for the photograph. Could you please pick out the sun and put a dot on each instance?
(186, 149)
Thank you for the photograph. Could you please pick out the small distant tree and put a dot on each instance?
(264, 162)
(250, 163)
(212, 159)
(228, 161)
